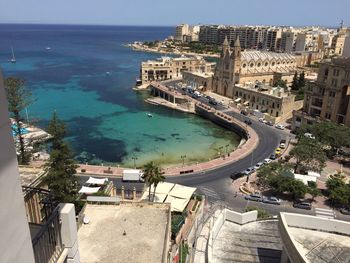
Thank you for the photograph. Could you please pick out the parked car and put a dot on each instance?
(345, 210)
(254, 197)
(302, 205)
(267, 161)
(208, 97)
(261, 120)
(213, 102)
(243, 112)
(249, 170)
(249, 122)
(273, 156)
(309, 135)
(283, 141)
(236, 175)
(278, 151)
(282, 145)
(269, 123)
(279, 126)
(272, 200)
(258, 165)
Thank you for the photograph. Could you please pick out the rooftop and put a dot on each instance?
(124, 233)
(257, 241)
(30, 176)
(315, 239)
(277, 92)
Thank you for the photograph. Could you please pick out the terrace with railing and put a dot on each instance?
(43, 217)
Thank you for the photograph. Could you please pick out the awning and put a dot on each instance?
(97, 181)
(181, 191)
(177, 204)
(89, 190)
(158, 198)
(238, 100)
(163, 188)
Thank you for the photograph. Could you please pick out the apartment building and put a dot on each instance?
(328, 97)
(181, 31)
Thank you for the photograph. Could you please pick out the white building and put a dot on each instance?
(181, 31)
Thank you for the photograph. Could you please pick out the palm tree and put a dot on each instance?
(152, 174)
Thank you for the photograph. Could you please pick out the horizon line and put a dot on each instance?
(152, 25)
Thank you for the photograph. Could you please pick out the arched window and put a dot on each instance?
(273, 63)
(259, 64)
(251, 65)
(266, 64)
(244, 65)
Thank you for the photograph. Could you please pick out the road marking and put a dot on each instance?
(211, 193)
(325, 213)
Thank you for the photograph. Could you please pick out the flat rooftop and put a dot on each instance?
(124, 233)
(319, 246)
(258, 242)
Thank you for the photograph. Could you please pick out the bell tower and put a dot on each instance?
(236, 61)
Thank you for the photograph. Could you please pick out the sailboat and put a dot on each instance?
(13, 59)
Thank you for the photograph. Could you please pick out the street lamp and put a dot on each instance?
(183, 160)
(220, 150)
(134, 158)
(226, 146)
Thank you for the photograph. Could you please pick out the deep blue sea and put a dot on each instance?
(106, 120)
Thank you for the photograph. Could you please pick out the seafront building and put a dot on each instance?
(240, 67)
(171, 68)
(328, 97)
(275, 103)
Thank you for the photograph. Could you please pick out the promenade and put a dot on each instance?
(241, 152)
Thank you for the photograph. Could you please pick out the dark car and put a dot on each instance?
(249, 122)
(283, 141)
(272, 200)
(273, 156)
(208, 97)
(269, 123)
(302, 205)
(234, 176)
(254, 197)
(345, 211)
(213, 102)
(244, 112)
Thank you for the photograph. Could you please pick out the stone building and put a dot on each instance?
(274, 102)
(328, 97)
(170, 68)
(241, 67)
(198, 80)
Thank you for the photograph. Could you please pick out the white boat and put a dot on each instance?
(149, 115)
(13, 59)
(107, 72)
(48, 48)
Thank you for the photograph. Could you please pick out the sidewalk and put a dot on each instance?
(236, 155)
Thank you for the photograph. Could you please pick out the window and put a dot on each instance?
(334, 82)
(328, 115)
(336, 72)
(244, 65)
(251, 65)
(266, 64)
(347, 74)
(332, 94)
(259, 64)
(273, 63)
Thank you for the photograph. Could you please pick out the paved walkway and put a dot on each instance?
(238, 154)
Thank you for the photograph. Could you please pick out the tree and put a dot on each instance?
(309, 155)
(61, 168)
(153, 175)
(331, 134)
(280, 83)
(295, 83)
(19, 98)
(339, 191)
(313, 190)
(301, 80)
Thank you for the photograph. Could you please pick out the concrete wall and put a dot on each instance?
(240, 218)
(235, 127)
(306, 222)
(15, 240)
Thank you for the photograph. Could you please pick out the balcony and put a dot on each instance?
(43, 217)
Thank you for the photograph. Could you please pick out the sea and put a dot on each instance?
(86, 74)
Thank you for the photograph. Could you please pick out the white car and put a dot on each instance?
(309, 135)
(258, 165)
(279, 126)
(267, 161)
(261, 119)
(282, 146)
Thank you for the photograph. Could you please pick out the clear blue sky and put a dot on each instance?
(165, 12)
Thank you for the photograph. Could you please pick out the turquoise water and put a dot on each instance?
(107, 121)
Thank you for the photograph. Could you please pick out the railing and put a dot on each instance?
(47, 243)
(39, 204)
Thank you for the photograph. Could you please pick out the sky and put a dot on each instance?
(169, 13)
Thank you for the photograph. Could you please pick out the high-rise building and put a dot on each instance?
(287, 41)
(300, 42)
(209, 34)
(181, 31)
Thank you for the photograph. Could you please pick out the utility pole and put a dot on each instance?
(183, 160)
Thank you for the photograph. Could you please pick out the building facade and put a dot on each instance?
(236, 67)
(198, 80)
(328, 97)
(181, 31)
(169, 68)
